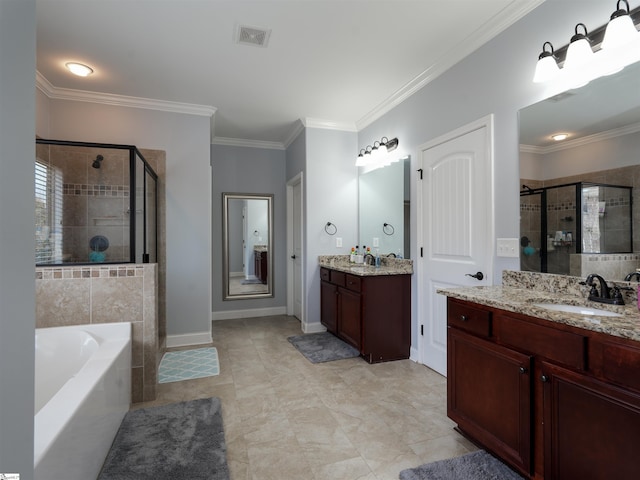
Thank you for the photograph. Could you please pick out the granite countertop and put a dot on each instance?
(521, 298)
(259, 248)
(389, 266)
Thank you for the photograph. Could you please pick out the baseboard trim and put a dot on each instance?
(413, 355)
(315, 327)
(187, 339)
(249, 313)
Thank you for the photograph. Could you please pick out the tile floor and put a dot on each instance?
(288, 419)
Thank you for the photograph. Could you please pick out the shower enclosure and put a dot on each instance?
(95, 203)
(559, 221)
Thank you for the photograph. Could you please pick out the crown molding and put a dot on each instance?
(120, 100)
(241, 142)
(596, 137)
(298, 128)
(511, 14)
(328, 125)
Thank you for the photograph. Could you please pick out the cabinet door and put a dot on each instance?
(591, 429)
(350, 318)
(489, 396)
(329, 306)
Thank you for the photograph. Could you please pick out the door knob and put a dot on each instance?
(293, 257)
(477, 276)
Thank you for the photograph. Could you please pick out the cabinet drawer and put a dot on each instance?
(337, 278)
(615, 363)
(466, 317)
(557, 345)
(325, 274)
(353, 282)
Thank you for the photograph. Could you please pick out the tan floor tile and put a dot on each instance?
(286, 418)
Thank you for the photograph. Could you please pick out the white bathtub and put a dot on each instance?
(82, 392)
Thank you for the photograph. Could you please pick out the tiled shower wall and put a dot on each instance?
(104, 294)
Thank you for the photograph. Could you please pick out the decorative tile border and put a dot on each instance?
(94, 190)
(101, 271)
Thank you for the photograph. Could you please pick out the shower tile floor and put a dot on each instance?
(286, 418)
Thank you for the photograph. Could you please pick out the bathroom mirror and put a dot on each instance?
(383, 208)
(247, 232)
(602, 120)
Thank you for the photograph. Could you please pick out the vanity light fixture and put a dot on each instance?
(378, 154)
(79, 69)
(590, 55)
(558, 137)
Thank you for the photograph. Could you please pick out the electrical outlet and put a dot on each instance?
(376, 242)
(338, 242)
(508, 247)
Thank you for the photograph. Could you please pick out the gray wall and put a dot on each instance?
(494, 79)
(17, 273)
(249, 170)
(331, 195)
(186, 141)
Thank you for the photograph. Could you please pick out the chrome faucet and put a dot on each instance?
(369, 259)
(604, 295)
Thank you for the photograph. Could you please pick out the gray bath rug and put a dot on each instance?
(323, 347)
(180, 441)
(251, 281)
(473, 466)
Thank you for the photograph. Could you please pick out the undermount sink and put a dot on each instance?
(561, 307)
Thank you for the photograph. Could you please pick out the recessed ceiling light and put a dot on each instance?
(79, 69)
(560, 136)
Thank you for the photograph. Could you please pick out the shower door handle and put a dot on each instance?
(477, 276)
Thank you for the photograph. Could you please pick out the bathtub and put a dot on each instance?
(82, 392)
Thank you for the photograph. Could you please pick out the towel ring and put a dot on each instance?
(330, 226)
(386, 227)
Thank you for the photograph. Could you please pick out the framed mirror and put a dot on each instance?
(247, 230)
(383, 208)
(579, 196)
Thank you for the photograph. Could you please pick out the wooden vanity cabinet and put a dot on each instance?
(580, 393)
(591, 429)
(489, 395)
(260, 265)
(371, 313)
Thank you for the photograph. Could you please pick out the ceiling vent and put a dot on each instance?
(254, 36)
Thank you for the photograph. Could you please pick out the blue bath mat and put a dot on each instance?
(188, 364)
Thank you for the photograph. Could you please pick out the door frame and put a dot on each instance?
(297, 180)
(484, 122)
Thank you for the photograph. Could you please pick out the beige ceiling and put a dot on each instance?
(330, 62)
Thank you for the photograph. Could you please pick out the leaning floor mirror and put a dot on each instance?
(248, 245)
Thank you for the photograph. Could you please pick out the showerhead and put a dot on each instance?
(96, 162)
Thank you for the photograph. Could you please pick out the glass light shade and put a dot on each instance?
(620, 32)
(546, 69)
(79, 69)
(382, 150)
(579, 53)
(360, 161)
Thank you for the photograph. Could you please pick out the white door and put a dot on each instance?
(295, 222)
(457, 227)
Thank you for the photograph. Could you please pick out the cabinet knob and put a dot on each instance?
(523, 370)
(544, 378)
(464, 318)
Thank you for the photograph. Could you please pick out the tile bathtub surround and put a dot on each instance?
(78, 295)
(389, 265)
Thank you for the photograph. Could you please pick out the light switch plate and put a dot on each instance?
(376, 242)
(338, 242)
(508, 247)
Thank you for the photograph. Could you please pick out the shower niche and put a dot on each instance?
(95, 203)
(557, 223)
